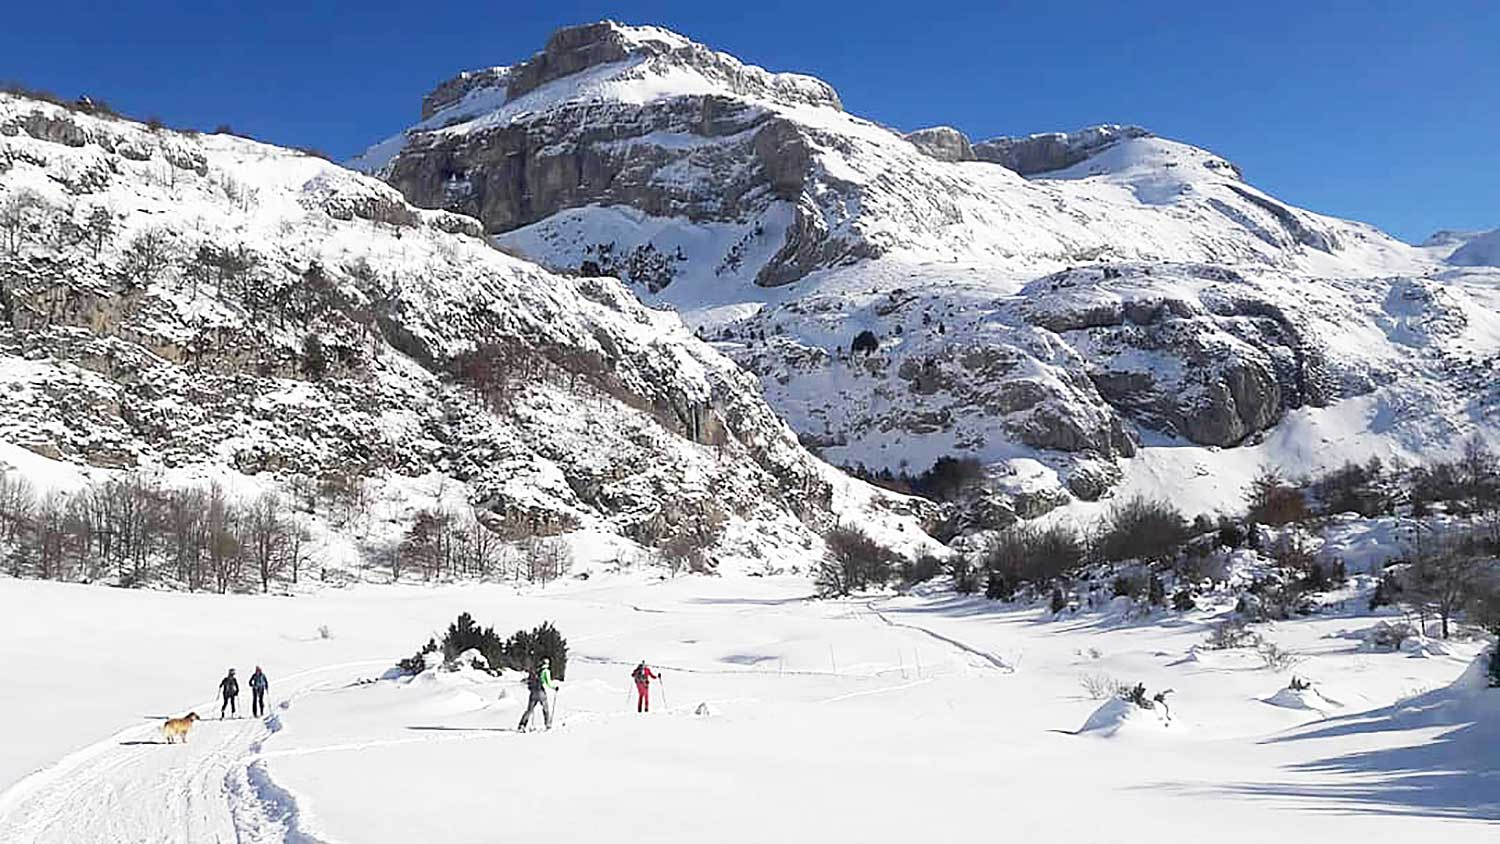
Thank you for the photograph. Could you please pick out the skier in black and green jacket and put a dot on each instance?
(538, 682)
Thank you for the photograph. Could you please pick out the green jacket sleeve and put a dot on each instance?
(547, 679)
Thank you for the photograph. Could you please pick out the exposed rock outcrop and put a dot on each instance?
(1034, 154)
(943, 143)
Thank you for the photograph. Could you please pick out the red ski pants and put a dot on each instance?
(643, 697)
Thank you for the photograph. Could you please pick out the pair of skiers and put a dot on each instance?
(539, 681)
(229, 690)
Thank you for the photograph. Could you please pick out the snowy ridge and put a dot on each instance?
(1480, 250)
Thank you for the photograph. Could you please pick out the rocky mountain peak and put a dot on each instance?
(638, 52)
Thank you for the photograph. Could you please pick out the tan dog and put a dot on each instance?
(178, 727)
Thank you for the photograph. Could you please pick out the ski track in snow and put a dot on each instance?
(994, 661)
(213, 788)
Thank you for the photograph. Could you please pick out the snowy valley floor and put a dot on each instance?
(930, 717)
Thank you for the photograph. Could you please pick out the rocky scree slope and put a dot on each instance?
(174, 300)
(1046, 303)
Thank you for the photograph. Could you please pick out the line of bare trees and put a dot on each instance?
(446, 543)
(132, 531)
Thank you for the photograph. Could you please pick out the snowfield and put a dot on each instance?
(888, 718)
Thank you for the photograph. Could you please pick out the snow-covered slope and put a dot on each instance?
(177, 301)
(1481, 250)
(1100, 291)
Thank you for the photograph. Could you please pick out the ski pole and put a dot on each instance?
(663, 682)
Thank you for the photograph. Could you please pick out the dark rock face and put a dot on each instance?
(1035, 154)
(517, 174)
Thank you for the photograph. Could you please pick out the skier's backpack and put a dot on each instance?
(534, 682)
(639, 673)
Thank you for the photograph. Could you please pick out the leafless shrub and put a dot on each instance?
(1142, 529)
(854, 562)
(1101, 686)
(21, 214)
(1276, 658)
(1026, 553)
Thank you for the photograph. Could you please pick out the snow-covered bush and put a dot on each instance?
(1231, 633)
(1137, 695)
(324, 632)
(1495, 668)
(417, 663)
(466, 643)
(1182, 601)
(465, 635)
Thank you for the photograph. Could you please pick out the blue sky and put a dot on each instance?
(1385, 112)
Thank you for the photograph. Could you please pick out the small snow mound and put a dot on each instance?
(1423, 647)
(706, 710)
(1117, 714)
(1308, 698)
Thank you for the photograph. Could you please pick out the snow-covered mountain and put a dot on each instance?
(206, 304)
(1048, 303)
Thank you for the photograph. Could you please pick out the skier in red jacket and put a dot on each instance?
(643, 676)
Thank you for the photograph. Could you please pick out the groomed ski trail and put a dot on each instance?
(133, 787)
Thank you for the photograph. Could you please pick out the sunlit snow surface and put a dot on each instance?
(878, 719)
